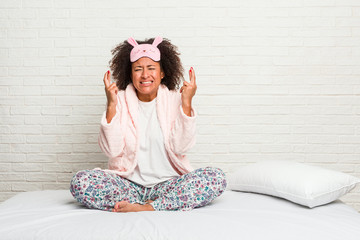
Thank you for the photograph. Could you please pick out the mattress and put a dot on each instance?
(233, 215)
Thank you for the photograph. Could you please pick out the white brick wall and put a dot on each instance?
(276, 80)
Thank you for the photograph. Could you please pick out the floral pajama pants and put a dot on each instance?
(101, 190)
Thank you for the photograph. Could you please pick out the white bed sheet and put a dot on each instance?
(234, 215)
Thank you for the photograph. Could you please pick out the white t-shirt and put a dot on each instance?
(153, 165)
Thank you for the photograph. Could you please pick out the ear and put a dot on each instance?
(132, 42)
(157, 41)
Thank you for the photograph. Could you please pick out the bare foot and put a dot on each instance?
(124, 206)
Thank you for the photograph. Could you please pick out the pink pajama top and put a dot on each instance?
(119, 139)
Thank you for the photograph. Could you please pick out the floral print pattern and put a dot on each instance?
(101, 190)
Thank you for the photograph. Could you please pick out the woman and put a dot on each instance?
(145, 131)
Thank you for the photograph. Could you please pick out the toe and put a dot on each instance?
(118, 205)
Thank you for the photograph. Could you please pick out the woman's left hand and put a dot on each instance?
(188, 90)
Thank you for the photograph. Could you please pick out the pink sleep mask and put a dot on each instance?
(145, 50)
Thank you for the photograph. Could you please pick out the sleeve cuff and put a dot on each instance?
(193, 113)
(104, 122)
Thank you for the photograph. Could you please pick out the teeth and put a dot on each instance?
(146, 82)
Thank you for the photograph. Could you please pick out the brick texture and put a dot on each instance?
(276, 80)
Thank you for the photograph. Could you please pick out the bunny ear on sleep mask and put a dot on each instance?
(132, 42)
(157, 41)
(145, 50)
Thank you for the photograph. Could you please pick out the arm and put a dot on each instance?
(183, 133)
(182, 136)
(111, 139)
(188, 91)
(110, 113)
(186, 109)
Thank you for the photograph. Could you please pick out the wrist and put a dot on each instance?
(111, 106)
(186, 103)
(187, 110)
(186, 107)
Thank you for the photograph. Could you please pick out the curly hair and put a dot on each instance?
(170, 64)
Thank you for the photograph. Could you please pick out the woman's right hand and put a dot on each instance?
(111, 90)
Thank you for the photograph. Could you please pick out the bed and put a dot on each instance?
(54, 214)
(266, 200)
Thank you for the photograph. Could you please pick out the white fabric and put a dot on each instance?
(55, 215)
(297, 182)
(119, 140)
(153, 165)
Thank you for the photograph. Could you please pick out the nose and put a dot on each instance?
(144, 73)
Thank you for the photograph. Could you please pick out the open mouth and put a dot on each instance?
(146, 82)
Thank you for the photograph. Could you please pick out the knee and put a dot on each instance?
(214, 178)
(79, 176)
(216, 174)
(77, 182)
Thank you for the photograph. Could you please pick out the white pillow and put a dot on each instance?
(297, 182)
